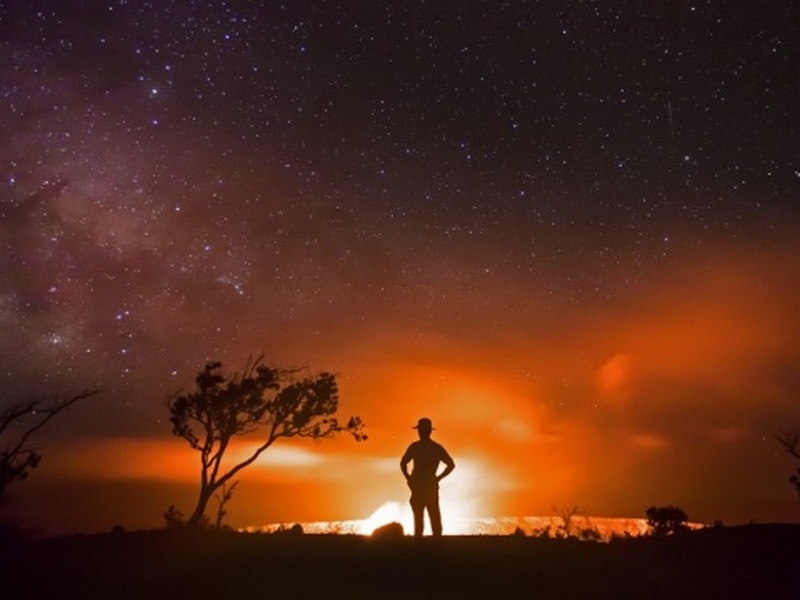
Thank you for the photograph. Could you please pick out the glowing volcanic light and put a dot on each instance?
(457, 518)
(389, 512)
(463, 513)
(599, 528)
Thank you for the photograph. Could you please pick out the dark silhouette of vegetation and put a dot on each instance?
(590, 534)
(18, 425)
(175, 519)
(542, 532)
(289, 530)
(273, 403)
(791, 443)
(565, 529)
(666, 520)
(222, 499)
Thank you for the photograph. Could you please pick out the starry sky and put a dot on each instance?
(565, 230)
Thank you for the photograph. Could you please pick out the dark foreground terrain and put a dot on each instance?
(756, 561)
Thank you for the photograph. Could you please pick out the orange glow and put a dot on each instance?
(614, 409)
(615, 374)
(388, 512)
(125, 459)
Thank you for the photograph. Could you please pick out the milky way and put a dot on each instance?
(184, 181)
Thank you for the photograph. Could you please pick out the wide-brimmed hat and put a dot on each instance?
(424, 423)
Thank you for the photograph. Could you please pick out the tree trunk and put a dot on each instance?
(200, 510)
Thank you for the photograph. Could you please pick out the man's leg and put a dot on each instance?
(418, 508)
(435, 515)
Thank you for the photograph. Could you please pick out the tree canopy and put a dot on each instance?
(666, 520)
(265, 402)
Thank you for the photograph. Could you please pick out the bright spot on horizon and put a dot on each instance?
(458, 500)
(454, 522)
(388, 512)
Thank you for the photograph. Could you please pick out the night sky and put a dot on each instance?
(567, 231)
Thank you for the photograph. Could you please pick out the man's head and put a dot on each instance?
(424, 427)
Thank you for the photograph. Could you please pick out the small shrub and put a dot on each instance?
(295, 529)
(666, 520)
(590, 534)
(174, 518)
(541, 532)
(566, 527)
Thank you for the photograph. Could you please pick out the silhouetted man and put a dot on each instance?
(424, 480)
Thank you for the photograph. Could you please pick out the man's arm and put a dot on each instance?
(449, 465)
(404, 463)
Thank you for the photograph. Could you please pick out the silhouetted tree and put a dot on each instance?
(275, 403)
(791, 443)
(18, 424)
(665, 520)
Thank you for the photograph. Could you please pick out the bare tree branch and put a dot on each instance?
(790, 440)
(222, 500)
(25, 419)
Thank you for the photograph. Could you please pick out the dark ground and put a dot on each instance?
(748, 562)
